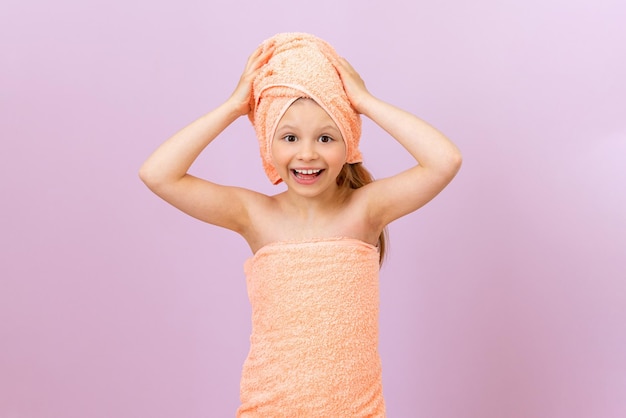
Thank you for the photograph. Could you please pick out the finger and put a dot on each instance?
(259, 58)
(267, 53)
(344, 62)
(255, 55)
(346, 65)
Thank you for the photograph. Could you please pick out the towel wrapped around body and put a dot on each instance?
(314, 343)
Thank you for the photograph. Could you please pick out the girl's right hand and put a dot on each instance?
(241, 97)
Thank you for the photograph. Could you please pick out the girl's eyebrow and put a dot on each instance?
(329, 127)
(293, 128)
(286, 128)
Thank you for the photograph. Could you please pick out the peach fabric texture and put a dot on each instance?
(301, 65)
(314, 343)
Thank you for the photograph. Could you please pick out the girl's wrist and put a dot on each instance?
(366, 104)
(232, 110)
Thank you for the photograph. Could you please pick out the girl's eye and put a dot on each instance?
(325, 138)
(290, 138)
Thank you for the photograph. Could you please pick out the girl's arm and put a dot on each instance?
(438, 158)
(165, 171)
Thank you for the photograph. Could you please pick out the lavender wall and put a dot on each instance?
(504, 297)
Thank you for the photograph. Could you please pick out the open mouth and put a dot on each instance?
(306, 174)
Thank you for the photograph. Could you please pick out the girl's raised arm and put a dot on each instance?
(438, 158)
(165, 171)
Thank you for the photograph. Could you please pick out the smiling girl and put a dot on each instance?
(313, 276)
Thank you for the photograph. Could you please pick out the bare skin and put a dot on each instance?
(303, 212)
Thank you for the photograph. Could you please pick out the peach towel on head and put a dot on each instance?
(314, 343)
(301, 65)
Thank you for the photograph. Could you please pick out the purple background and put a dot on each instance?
(504, 297)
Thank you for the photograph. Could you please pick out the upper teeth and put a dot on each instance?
(307, 171)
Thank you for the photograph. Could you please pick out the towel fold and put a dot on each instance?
(314, 343)
(301, 65)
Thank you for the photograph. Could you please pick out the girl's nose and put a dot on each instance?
(307, 151)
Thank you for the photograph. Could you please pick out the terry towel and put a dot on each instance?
(314, 342)
(302, 65)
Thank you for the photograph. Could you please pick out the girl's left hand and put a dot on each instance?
(353, 84)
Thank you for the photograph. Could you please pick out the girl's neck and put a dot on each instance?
(306, 207)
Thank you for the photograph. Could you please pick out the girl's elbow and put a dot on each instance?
(456, 161)
(453, 162)
(149, 176)
(144, 174)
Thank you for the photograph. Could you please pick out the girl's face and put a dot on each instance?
(307, 149)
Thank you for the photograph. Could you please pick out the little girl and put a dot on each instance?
(313, 277)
